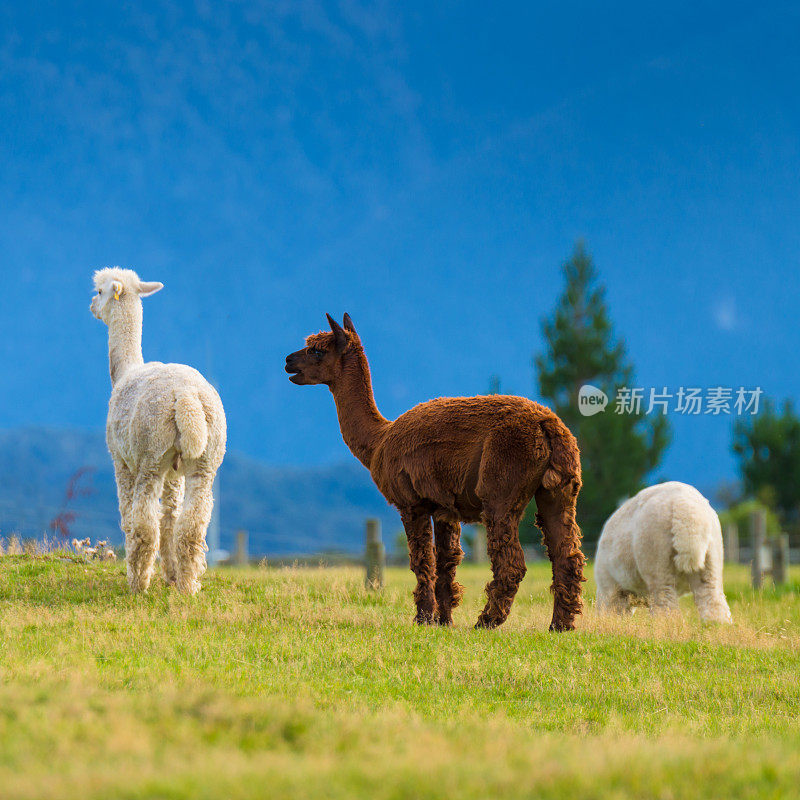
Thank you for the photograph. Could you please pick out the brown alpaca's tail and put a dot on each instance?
(557, 508)
(564, 468)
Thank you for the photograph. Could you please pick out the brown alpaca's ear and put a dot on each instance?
(340, 337)
(348, 326)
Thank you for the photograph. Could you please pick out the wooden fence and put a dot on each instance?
(768, 556)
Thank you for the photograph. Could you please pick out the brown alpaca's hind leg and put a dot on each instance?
(448, 556)
(421, 558)
(562, 537)
(508, 570)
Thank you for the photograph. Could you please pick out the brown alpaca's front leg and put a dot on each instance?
(508, 570)
(562, 537)
(448, 556)
(420, 553)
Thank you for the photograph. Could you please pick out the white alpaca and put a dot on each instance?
(664, 542)
(166, 433)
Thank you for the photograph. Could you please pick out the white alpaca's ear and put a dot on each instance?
(116, 289)
(147, 288)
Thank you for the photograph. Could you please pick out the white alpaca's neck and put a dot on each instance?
(125, 339)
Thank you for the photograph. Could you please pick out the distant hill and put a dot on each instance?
(286, 510)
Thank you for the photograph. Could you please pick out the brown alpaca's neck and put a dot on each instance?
(361, 423)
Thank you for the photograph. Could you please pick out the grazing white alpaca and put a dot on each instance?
(664, 542)
(166, 433)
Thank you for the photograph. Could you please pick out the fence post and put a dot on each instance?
(731, 543)
(780, 559)
(479, 552)
(375, 556)
(213, 535)
(240, 557)
(758, 530)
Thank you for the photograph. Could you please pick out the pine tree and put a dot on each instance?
(618, 451)
(767, 447)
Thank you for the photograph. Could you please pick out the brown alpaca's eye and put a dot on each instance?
(316, 353)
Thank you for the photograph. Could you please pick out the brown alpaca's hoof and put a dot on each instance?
(445, 622)
(424, 618)
(561, 627)
(485, 623)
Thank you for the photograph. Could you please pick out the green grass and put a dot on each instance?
(300, 683)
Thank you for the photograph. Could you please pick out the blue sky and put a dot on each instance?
(426, 167)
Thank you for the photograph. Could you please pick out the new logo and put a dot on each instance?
(591, 400)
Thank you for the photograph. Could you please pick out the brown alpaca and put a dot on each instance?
(453, 460)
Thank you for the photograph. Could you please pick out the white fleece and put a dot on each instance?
(664, 542)
(166, 432)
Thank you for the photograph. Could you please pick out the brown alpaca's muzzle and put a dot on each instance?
(294, 370)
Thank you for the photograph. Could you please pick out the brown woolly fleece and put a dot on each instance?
(459, 459)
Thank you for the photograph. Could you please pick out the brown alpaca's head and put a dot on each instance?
(322, 359)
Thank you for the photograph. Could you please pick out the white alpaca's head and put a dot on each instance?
(116, 288)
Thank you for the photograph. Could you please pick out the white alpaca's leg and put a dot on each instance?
(614, 600)
(663, 597)
(706, 585)
(661, 579)
(171, 501)
(190, 530)
(654, 559)
(142, 541)
(610, 596)
(124, 494)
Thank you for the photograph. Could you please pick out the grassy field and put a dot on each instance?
(300, 683)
